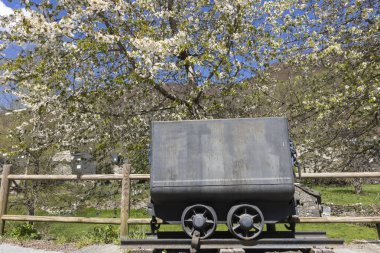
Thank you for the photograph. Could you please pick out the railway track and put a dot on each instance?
(278, 241)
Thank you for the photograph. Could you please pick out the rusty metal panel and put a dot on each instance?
(229, 151)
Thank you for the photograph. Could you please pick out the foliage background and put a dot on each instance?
(93, 74)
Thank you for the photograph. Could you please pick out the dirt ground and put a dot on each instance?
(41, 246)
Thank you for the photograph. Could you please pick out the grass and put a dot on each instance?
(79, 232)
(348, 232)
(84, 234)
(345, 195)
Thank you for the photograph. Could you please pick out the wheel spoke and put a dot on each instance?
(236, 227)
(256, 227)
(210, 221)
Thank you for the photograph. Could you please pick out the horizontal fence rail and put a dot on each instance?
(78, 177)
(147, 176)
(126, 178)
(341, 175)
(65, 219)
(296, 219)
(146, 221)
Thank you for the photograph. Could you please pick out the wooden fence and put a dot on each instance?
(124, 221)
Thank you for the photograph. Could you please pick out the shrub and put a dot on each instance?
(104, 234)
(25, 231)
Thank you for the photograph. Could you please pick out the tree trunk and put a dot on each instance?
(358, 184)
(30, 198)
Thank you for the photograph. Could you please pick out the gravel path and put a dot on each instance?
(10, 248)
(360, 248)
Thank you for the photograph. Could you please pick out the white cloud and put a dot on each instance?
(5, 10)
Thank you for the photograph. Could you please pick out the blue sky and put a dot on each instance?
(6, 8)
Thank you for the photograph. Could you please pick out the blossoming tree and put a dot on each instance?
(97, 72)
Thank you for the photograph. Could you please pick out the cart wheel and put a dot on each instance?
(245, 221)
(199, 218)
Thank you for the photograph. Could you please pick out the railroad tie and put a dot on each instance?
(316, 250)
(231, 251)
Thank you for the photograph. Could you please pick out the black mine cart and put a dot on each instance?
(237, 172)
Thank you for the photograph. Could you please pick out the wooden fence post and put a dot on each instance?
(124, 209)
(4, 189)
